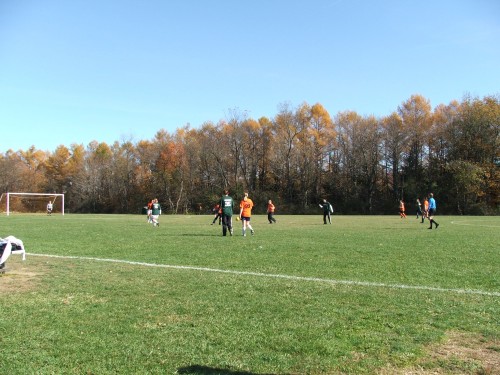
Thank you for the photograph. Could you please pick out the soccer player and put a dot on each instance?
(49, 208)
(155, 213)
(327, 210)
(149, 210)
(402, 213)
(246, 206)
(226, 204)
(218, 214)
(425, 213)
(432, 210)
(8, 245)
(419, 208)
(270, 212)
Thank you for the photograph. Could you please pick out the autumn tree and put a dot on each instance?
(251, 151)
(233, 135)
(24, 171)
(465, 181)
(57, 169)
(170, 174)
(394, 141)
(473, 139)
(364, 164)
(96, 185)
(124, 190)
(213, 157)
(359, 139)
(146, 159)
(416, 117)
(287, 128)
(74, 199)
(32, 169)
(10, 176)
(321, 135)
(442, 133)
(476, 130)
(266, 178)
(197, 182)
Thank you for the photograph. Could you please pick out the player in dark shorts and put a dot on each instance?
(432, 211)
(227, 203)
(218, 214)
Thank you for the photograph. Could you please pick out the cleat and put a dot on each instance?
(437, 225)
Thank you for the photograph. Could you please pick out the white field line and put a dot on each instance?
(279, 276)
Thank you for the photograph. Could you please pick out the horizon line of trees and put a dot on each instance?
(361, 164)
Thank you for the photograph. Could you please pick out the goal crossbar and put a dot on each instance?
(9, 194)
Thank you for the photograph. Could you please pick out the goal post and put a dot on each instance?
(9, 195)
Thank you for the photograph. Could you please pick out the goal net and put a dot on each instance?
(32, 202)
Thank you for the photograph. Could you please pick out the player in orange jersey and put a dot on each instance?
(246, 206)
(270, 212)
(402, 209)
(425, 212)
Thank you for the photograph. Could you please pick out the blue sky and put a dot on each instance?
(74, 71)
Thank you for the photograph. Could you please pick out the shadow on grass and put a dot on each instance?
(206, 370)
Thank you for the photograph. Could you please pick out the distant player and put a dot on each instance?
(246, 206)
(327, 211)
(425, 212)
(227, 204)
(155, 213)
(149, 210)
(49, 208)
(270, 212)
(218, 214)
(419, 208)
(402, 213)
(432, 210)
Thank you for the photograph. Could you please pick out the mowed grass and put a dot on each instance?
(363, 295)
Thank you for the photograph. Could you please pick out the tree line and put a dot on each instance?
(362, 164)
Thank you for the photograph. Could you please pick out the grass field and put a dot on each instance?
(110, 294)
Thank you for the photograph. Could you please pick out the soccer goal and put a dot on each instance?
(33, 202)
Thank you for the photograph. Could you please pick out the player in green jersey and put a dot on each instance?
(155, 213)
(227, 204)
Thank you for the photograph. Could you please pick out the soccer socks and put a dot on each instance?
(244, 230)
(433, 221)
